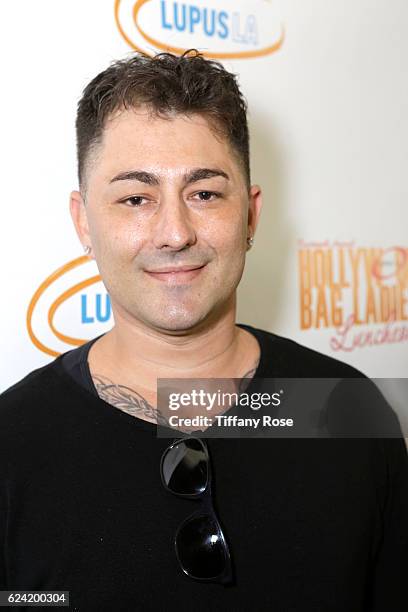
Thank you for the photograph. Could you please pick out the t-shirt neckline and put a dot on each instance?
(136, 421)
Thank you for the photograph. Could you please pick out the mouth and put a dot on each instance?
(181, 274)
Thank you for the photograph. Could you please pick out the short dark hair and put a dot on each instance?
(168, 84)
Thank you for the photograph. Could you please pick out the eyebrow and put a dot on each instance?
(197, 174)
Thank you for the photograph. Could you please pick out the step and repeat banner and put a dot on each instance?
(328, 113)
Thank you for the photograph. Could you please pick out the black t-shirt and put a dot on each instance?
(312, 524)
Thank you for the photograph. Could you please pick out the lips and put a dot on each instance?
(175, 269)
(180, 274)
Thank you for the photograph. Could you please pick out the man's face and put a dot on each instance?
(190, 207)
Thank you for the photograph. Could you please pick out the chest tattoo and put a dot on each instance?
(128, 400)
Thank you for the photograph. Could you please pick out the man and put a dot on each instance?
(166, 207)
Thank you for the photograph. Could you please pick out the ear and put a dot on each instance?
(254, 208)
(79, 217)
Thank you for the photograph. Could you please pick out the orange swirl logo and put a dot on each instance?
(220, 30)
(52, 296)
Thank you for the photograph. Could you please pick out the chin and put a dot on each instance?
(177, 323)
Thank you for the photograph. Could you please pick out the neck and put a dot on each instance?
(133, 353)
(137, 348)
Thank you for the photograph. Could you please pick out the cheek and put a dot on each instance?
(230, 244)
(225, 233)
(118, 238)
(229, 258)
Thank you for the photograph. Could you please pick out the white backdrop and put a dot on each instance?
(329, 145)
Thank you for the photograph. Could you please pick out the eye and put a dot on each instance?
(207, 195)
(134, 201)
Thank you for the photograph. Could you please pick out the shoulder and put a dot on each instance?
(28, 398)
(353, 404)
(39, 414)
(31, 381)
(289, 358)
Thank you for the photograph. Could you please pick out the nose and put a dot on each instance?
(172, 228)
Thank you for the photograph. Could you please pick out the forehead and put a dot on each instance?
(136, 137)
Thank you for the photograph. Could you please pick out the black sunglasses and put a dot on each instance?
(201, 548)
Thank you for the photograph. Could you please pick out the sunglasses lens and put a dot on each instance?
(185, 467)
(200, 548)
